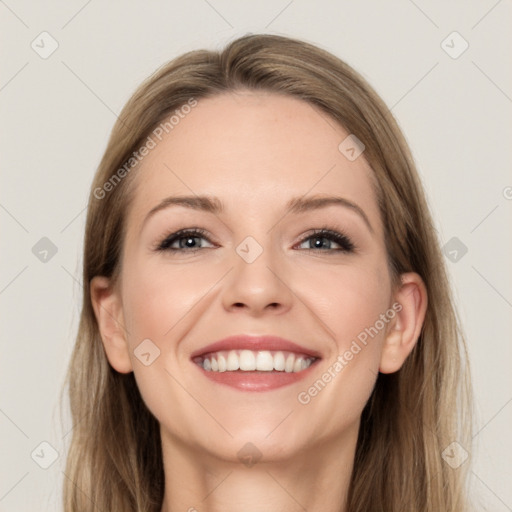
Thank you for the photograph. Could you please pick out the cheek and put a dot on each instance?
(347, 298)
(349, 301)
(160, 303)
(156, 297)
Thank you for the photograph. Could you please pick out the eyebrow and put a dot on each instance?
(212, 204)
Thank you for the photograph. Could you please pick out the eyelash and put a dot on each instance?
(347, 246)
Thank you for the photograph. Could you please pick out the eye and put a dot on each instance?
(321, 235)
(186, 239)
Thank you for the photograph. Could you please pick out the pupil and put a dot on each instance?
(318, 242)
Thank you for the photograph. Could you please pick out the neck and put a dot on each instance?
(315, 479)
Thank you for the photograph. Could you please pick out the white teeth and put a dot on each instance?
(279, 362)
(221, 360)
(261, 360)
(247, 361)
(288, 367)
(264, 361)
(233, 362)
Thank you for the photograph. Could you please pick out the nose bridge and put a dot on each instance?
(255, 281)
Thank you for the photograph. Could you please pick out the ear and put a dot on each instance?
(107, 306)
(410, 305)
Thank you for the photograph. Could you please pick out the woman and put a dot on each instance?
(267, 322)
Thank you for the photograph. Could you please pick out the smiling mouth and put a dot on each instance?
(255, 361)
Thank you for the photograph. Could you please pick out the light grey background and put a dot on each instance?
(57, 114)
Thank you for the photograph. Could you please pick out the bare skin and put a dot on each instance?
(255, 152)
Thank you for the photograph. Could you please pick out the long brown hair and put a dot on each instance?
(413, 415)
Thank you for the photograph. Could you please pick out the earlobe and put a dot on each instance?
(411, 306)
(109, 315)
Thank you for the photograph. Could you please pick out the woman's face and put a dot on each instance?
(259, 269)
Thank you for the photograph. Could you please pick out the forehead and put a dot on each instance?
(254, 151)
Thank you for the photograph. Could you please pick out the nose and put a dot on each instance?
(258, 287)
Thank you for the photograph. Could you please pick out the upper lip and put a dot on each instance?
(255, 342)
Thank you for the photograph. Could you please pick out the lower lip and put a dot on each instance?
(255, 380)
